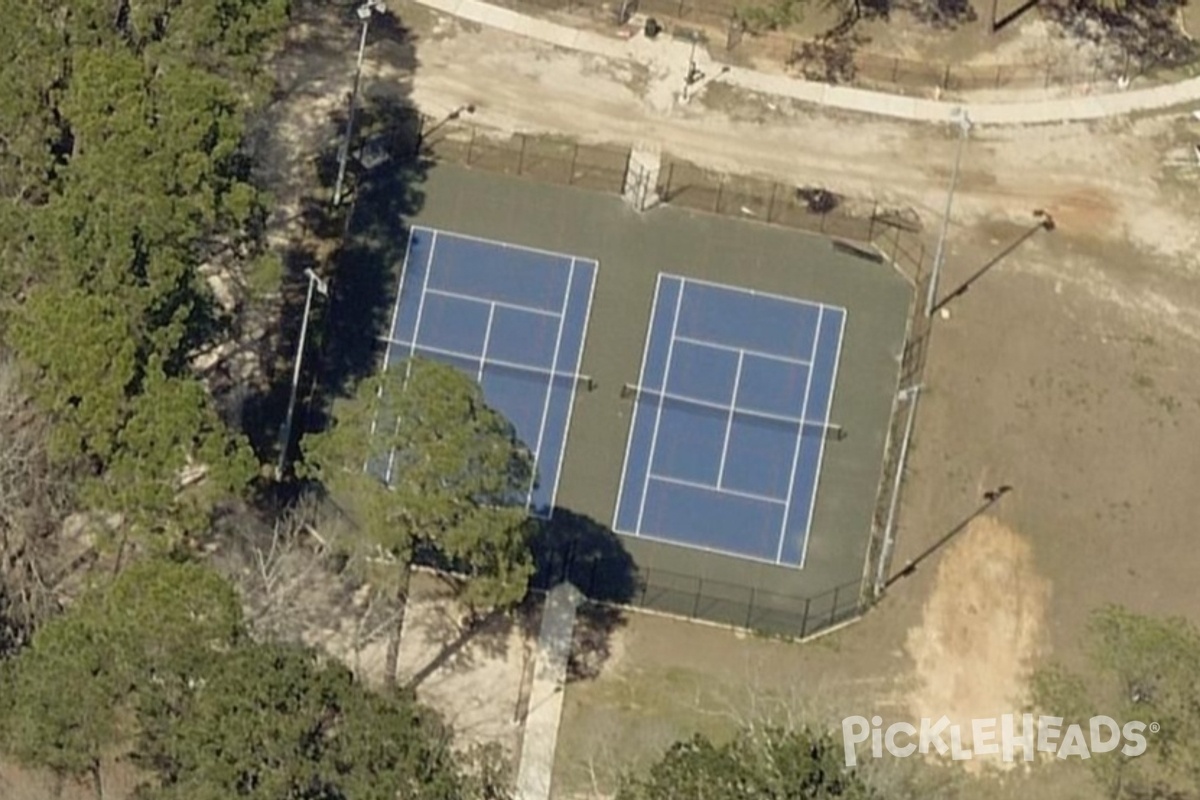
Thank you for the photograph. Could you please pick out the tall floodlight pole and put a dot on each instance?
(365, 11)
(315, 284)
(939, 255)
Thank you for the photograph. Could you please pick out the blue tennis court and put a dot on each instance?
(730, 420)
(512, 318)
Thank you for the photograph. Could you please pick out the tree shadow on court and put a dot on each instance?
(577, 549)
(571, 547)
(356, 246)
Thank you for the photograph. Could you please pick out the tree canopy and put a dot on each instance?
(122, 160)
(1142, 668)
(766, 763)
(158, 666)
(421, 462)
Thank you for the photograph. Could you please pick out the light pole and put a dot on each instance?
(1045, 222)
(964, 123)
(365, 11)
(315, 284)
(990, 498)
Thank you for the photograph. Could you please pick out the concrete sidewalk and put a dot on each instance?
(915, 109)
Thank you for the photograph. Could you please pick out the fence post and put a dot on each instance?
(750, 607)
(521, 155)
(946, 77)
(696, 602)
(574, 158)
(895, 68)
(804, 619)
(471, 145)
(771, 203)
(720, 188)
(666, 192)
(834, 609)
(645, 588)
(871, 222)
(997, 86)
(420, 133)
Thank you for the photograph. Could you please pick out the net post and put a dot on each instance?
(720, 188)
(750, 607)
(471, 145)
(574, 158)
(521, 155)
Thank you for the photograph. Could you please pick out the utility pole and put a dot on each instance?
(315, 284)
(365, 12)
(939, 255)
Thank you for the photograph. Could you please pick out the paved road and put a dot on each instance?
(638, 48)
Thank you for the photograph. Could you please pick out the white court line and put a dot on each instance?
(471, 298)
(399, 292)
(491, 361)
(562, 318)
(737, 380)
(412, 349)
(387, 351)
(633, 417)
(812, 506)
(658, 413)
(787, 510)
(507, 245)
(757, 293)
(746, 350)
(587, 315)
(745, 412)
(487, 337)
(701, 548)
(761, 498)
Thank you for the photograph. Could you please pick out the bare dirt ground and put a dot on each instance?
(981, 630)
(1063, 373)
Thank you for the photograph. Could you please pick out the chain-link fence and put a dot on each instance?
(721, 602)
(815, 209)
(543, 158)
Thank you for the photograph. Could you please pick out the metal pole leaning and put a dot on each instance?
(364, 13)
(315, 283)
(940, 253)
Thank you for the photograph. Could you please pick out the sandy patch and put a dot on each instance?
(980, 630)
